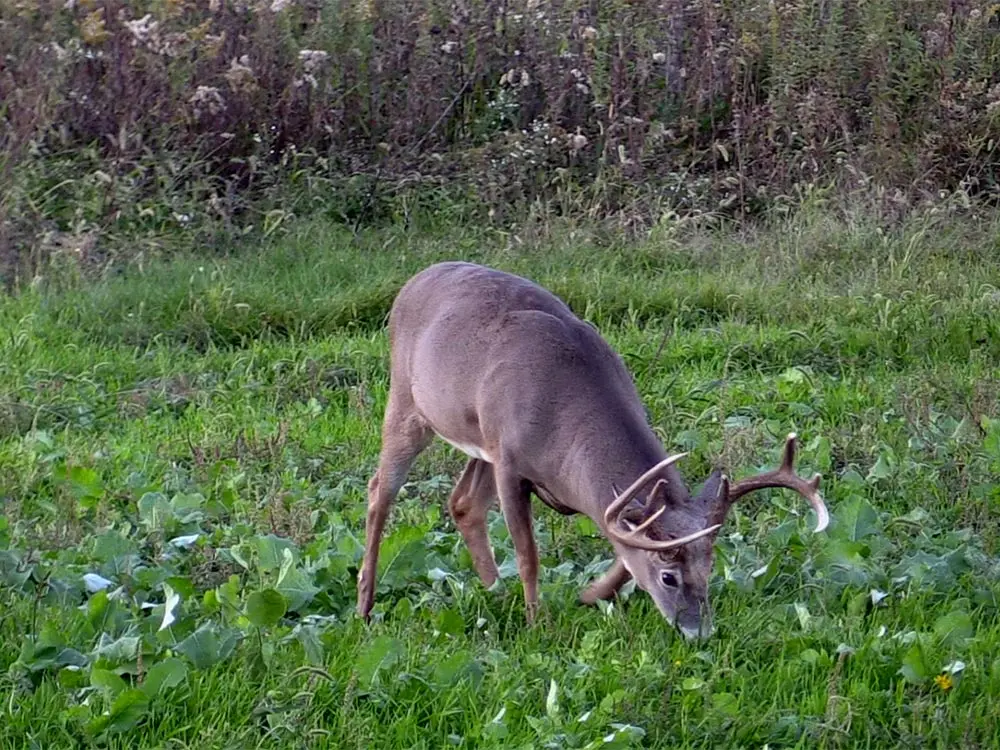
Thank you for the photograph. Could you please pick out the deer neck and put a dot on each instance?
(616, 460)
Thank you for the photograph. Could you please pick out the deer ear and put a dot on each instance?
(715, 496)
(633, 515)
(710, 491)
(640, 508)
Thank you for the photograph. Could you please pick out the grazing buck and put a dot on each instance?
(502, 370)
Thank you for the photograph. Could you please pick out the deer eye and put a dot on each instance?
(669, 579)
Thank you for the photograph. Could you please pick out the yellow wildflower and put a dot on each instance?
(943, 681)
(92, 28)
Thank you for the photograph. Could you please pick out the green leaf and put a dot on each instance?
(454, 667)
(120, 651)
(991, 443)
(269, 551)
(109, 545)
(450, 621)
(402, 556)
(914, 668)
(383, 653)
(13, 570)
(882, 469)
(294, 583)
(803, 615)
(106, 680)
(71, 678)
(856, 519)
(228, 595)
(954, 627)
(809, 656)
(265, 608)
(793, 375)
(311, 643)
(692, 683)
(163, 676)
(97, 607)
(182, 586)
(585, 526)
(86, 486)
(126, 711)
(154, 510)
(184, 506)
(726, 703)
(208, 645)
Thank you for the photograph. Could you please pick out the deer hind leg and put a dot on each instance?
(469, 503)
(608, 584)
(404, 436)
(515, 501)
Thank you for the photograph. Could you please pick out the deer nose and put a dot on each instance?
(691, 634)
(703, 631)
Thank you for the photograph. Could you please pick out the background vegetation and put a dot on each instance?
(782, 215)
(125, 121)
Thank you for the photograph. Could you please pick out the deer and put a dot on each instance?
(501, 369)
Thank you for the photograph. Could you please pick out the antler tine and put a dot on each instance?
(635, 538)
(632, 539)
(784, 476)
(623, 499)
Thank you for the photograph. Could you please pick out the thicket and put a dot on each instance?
(125, 121)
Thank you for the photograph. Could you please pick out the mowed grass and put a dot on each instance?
(184, 450)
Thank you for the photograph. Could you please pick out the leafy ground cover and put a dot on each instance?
(184, 452)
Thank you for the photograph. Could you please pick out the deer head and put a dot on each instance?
(666, 542)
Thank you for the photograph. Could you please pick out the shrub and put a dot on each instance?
(131, 117)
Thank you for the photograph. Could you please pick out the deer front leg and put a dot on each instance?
(515, 501)
(404, 436)
(469, 503)
(608, 584)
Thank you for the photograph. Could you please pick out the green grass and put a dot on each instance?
(239, 399)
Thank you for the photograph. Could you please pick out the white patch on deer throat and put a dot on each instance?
(473, 451)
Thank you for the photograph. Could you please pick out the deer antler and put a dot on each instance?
(635, 538)
(783, 476)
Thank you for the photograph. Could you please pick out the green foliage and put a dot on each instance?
(266, 608)
(183, 511)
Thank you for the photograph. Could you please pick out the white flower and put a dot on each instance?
(142, 29)
(659, 57)
(207, 98)
(240, 75)
(313, 59)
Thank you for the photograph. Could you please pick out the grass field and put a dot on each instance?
(184, 450)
